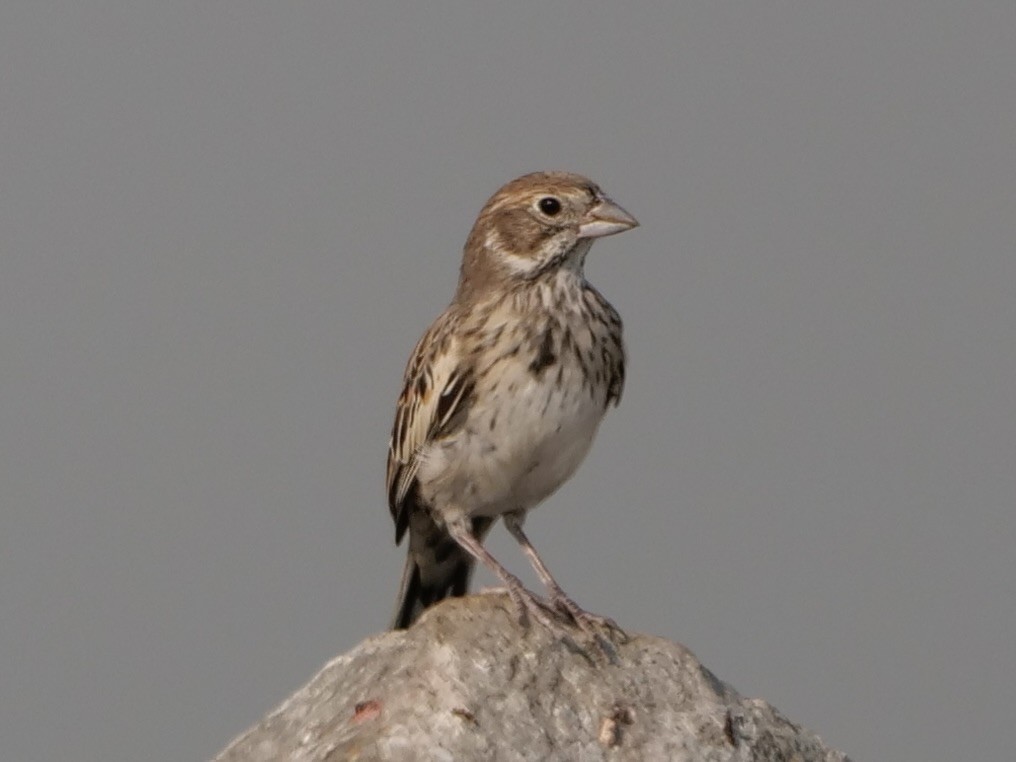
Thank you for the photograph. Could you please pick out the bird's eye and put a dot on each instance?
(549, 206)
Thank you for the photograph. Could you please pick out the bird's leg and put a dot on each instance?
(526, 603)
(561, 601)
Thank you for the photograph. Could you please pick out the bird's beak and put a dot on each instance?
(606, 218)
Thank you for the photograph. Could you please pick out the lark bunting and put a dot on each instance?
(503, 394)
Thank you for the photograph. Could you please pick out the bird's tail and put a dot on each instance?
(419, 590)
(436, 568)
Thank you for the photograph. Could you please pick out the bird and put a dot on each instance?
(503, 394)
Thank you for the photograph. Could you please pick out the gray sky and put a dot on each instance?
(224, 225)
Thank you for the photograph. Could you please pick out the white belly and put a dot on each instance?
(541, 432)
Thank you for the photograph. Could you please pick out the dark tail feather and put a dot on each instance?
(446, 578)
(436, 567)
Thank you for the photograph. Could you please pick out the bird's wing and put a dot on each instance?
(437, 390)
(616, 381)
(615, 355)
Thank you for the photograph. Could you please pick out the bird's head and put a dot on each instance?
(538, 223)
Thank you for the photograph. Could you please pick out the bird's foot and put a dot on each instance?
(593, 625)
(530, 606)
(561, 615)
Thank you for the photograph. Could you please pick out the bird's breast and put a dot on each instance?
(532, 419)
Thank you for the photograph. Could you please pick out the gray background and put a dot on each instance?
(224, 225)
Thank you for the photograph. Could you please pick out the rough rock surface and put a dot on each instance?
(468, 682)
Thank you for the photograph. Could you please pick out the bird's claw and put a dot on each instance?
(591, 624)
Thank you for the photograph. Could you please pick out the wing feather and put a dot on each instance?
(437, 390)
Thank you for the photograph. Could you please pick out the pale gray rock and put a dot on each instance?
(467, 682)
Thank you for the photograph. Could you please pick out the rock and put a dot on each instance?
(467, 682)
